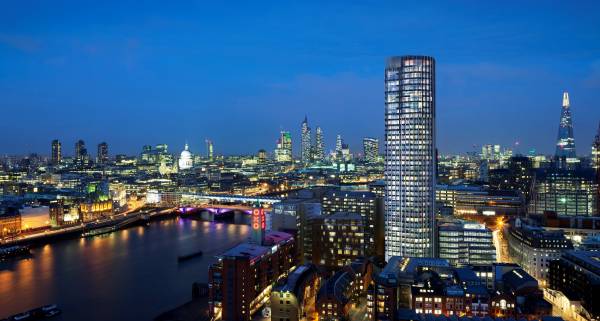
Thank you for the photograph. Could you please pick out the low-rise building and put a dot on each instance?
(10, 222)
(533, 248)
(577, 275)
(476, 200)
(465, 243)
(295, 298)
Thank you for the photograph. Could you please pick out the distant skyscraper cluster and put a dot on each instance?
(409, 156)
(81, 155)
(311, 152)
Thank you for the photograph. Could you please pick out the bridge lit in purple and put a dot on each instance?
(213, 210)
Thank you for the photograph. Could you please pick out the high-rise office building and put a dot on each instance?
(410, 156)
(338, 144)
(565, 146)
(209, 149)
(596, 165)
(81, 154)
(319, 152)
(371, 149)
(56, 152)
(305, 142)
(596, 151)
(102, 153)
(283, 151)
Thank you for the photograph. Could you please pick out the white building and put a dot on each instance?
(186, 161)
(409, 156)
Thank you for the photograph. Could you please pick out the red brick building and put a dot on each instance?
(241, 281)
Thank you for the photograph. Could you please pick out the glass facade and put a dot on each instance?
(409, 156)
(464, 243)
(570, 193)
(305, 142)
(565, 146)
(371, 149)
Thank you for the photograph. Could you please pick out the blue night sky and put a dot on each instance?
(239, 72)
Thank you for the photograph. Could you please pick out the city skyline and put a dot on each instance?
(300, 161)
(130, 69)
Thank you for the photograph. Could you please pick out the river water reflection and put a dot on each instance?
(131, 274)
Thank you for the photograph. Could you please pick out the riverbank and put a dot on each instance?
(194, 310)
(120, 221)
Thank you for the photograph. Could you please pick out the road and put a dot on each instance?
(359, 312)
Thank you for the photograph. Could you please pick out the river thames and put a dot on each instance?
(131, 274)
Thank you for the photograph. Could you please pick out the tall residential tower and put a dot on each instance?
(370, 149)
(306, 148)
(56, 152)
(596, 151)
(409, 156)
(319, 152)
(102, 153)
(565, 146)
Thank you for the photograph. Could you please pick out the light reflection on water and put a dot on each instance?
(128, 274)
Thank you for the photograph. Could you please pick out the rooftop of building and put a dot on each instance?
(344, 216)
(456, 225)
(277, 237)
(590, 259)
(410, 314)
(398, 267)
(518, 279)
(336, 286)
(254, 251)
(297, 278)
(558, 173)
(349, 194)
(466, 275)
(460, 187)
(246, 250)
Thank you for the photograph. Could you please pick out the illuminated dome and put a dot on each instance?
(185, 159)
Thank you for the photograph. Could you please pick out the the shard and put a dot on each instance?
(565, 146)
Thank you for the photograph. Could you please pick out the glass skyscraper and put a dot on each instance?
(409, 156)
(319, 152)
(305, 142)
(565, 146)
